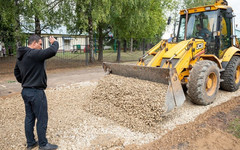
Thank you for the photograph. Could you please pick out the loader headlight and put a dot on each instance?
(207, 8)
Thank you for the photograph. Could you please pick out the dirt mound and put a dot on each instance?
(208, 131)
(133, 103)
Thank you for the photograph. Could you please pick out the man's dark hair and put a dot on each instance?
(33, 38)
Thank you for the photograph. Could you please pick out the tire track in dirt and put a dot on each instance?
(198, 134)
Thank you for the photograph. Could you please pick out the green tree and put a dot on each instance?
(6, 20)
(41, 15)
(140, 19)
(104, 24)
(103, 29)
(125, 18)
(30, 15)
(89, 15)
(10, 31)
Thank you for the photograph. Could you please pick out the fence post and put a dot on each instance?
(95, 44)
(143, 46)
(86, 51)
(86, 55)
(115, 45)
(119, 51)
(131, 44)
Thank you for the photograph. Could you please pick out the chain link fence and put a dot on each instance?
(73, 56)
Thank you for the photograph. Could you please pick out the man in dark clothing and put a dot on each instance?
(203, 32)
(30, 72)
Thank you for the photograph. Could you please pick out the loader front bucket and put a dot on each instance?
(167, 76)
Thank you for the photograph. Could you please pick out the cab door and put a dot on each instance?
(226, 31)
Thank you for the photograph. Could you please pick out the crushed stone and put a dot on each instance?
(132, 103)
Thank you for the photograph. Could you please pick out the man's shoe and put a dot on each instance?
(48, 146)
(33, 146)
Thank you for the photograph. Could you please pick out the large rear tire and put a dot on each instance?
(203, 84)
(231, 75)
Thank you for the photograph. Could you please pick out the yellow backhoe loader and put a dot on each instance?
(205, 57)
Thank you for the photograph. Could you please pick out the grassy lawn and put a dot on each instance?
(234, 127)
(108, 55)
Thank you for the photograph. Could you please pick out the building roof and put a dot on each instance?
(61, 30)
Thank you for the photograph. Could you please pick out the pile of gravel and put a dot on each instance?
(72, 127)
(130, 102)
(69, 125)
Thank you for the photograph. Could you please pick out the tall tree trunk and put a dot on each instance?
(37, 26)
(100, 43)
(140, 45)
(134, 47)
(143, 46)
(18, 40)
(148, 46)
(90, 27)
(119, 51)
(125, 46)
(131, 44)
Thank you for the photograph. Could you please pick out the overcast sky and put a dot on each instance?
(235, 4)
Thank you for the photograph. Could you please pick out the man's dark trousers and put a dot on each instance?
(36, 108)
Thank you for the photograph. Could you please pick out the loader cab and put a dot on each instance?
(214, 26)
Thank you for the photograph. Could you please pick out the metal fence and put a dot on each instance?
(74, 56)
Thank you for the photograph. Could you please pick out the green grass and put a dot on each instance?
(234, 127)
(108, 55)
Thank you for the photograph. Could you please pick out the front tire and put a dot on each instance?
(231, 75)
(203, 84)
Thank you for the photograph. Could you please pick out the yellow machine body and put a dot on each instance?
(172, 62)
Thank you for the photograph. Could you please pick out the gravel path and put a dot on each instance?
(70, 126)
(73, 126)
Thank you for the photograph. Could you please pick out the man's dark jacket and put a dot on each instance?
(30, 66)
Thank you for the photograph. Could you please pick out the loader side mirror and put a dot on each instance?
(169, 20)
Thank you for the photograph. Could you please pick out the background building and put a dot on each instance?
(238, 34)
(67, 41)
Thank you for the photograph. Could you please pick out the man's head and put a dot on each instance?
(199, 28)
(35, 42)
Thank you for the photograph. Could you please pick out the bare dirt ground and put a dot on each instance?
(209, 131)
(71, 126)
(59, 77)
